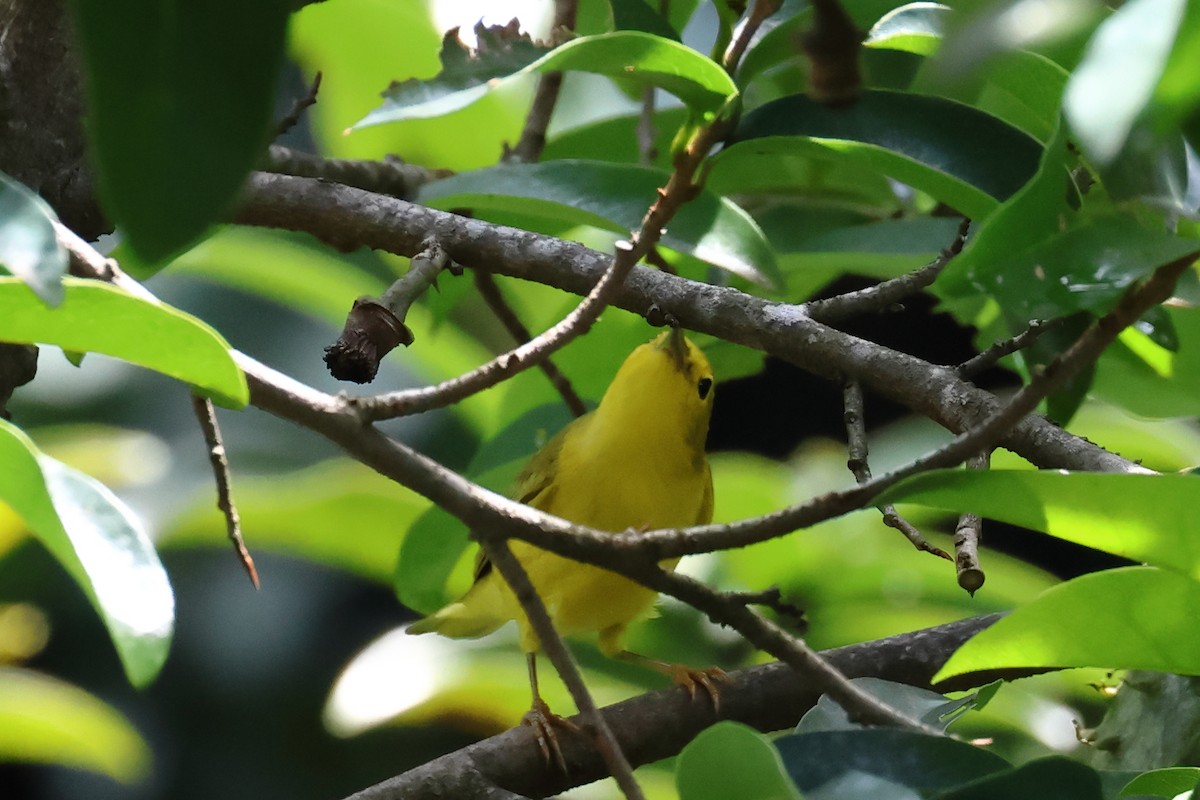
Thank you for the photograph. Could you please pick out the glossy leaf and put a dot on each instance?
(1128, 618)
(29, 248)
(925, 763)
(730, 759)
(46, 721)
(1055, 777)
(98, 318)
(929, 707)
(643, 59)
(1135, 516)
(1169, 782)
(616, 197)
(175, 130)
(955, 153)
(101, 545)
(1119, 73)
(914, 28)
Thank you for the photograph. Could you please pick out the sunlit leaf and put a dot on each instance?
(46, 721)
(614, 196)
(173, 129)
(957, 154)
(1128, 618)
(1135, 516)
(102, 546)
(915, 28)
(28, 247)
(1169, 782)
(730, 759)
(643, 59)
(98, 318)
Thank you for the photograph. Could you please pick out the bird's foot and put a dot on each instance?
(706, 679)
(544, 721)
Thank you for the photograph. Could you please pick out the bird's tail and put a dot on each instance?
(476, 614)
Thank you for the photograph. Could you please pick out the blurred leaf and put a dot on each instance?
(614, 196)
(1168, 782)
(1127, 618)
(1130, 515)
(957, 154)
(102, 546)
(1153, 169)
(1024, 89)
(921, 762)
(1053, 778)
(1149, 380)
(914, 28)
(615, 139)
(855, 784)
(640, 58)
(817, 182)
(47, 721)
(1117, 78)
(926, 706)
(98, 318)
(637, 15)
(1178, 93)
(175, 131)
(432, 547)
(301, 513)
(29, 248)
(728, 760)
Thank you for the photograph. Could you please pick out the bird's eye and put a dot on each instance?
(704, 385)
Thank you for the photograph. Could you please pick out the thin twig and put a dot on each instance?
(680, 189)
(856, 460)
(977, 364)
(745, 32)
(491, 294)
(773, 599)
(888, 293)
(552, 644)
(533, 137)
(391, 176)
(293, 117)
(206, 415)
(968, 533)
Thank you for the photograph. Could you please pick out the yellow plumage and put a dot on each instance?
(637, 462)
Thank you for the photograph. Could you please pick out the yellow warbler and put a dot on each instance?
(637, 462)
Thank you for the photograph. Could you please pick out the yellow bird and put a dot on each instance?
(635, 463)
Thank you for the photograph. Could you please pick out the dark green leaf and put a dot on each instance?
(615, 197)
(637, 15)
(99, 318)
(729, 760)
(955, 153)
(925, 763)
(1135, 516)
(929, 707)
(1168, 782)
(179, 106)
(1117, 78)
(101, 545)
(1053, 778)
(28, 247)
(856, 785)
(46, 721)
(615, 139)
(432, 547)
(1127, 618)
(633, 56)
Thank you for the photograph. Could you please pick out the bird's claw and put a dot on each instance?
(706, 679)
(543, 721)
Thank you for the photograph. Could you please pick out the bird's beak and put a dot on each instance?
(676, 345)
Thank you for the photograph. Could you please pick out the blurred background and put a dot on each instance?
(307, 688)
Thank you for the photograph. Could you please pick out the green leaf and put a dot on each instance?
(100, 543)
(925, 763)
(728, 760)
(614, 197)
(432, 547)
(28, 247)
(294, 514)
(643, 59)
(1127, 618)
(1056, 777)
(1134, 516)
(1168, 782)
(953, 152)
(175, 129)
(1117, 78)
(913, 28)
(615, 139)
(46, 721)
(95, 317)
(929, 707)
(637, 15)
